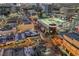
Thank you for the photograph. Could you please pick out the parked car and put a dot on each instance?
(2, 39)
(25, 20)
(18, 36)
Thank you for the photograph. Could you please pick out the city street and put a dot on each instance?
(7, 52)
(39, 29)
(18, 52)
(14, 52)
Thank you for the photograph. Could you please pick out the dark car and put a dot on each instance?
(2, 39)
(26, 21)
(10, 38)
(6, 27)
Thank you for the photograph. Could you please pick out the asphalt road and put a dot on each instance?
(14, 52)
(18, 52)
(7, 52)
